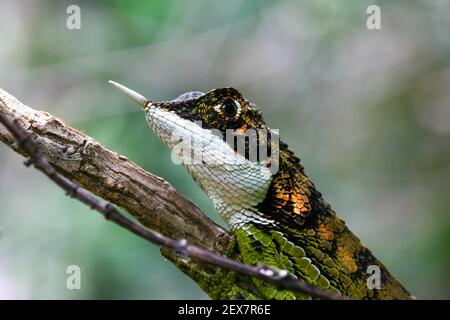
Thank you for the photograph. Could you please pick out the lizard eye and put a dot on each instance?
(229, 108)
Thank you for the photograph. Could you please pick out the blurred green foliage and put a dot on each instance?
(367, 111)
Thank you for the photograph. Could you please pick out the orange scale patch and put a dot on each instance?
(325, 231)
(346, 258)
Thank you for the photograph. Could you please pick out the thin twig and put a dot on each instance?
(282, 279)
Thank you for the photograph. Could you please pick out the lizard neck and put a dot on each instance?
(292, 200)
(289, 200)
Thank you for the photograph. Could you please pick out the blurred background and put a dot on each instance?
(368, 112)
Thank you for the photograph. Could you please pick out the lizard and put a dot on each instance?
(273, 209)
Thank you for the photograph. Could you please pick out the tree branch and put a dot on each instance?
(111, 176)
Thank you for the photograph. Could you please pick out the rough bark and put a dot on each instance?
(111, 176)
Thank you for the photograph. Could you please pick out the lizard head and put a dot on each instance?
(224, 143)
